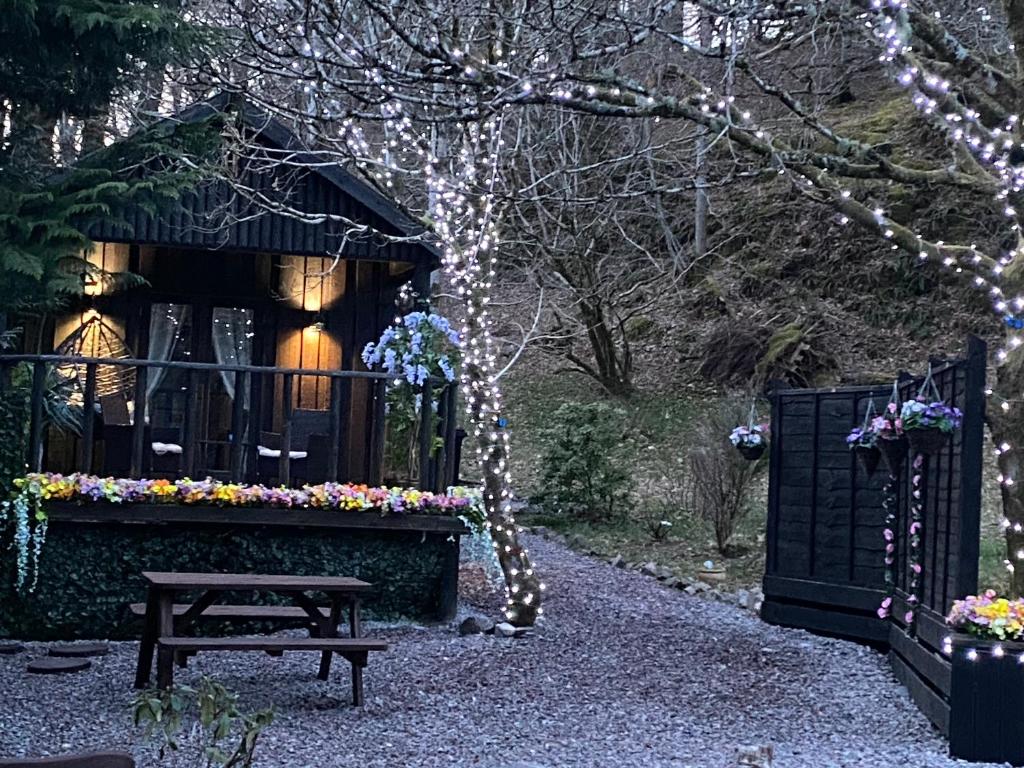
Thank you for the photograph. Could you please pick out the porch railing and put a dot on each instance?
(263, 396)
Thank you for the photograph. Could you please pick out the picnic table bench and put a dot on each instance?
(165, 621)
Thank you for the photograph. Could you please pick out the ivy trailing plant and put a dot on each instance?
(223, 735)
(22, 517)
(24, 509)
(418, 346)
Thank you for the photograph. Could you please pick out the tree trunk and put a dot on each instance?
(1006, 427)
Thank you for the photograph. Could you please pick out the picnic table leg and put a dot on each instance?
(358, 662)
(149, 635)
(330, 630)
(165, 628)
(355, 630)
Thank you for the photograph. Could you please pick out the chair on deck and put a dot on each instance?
(308, 449)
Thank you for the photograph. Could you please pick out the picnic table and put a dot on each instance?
(165, 622)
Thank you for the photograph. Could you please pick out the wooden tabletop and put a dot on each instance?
(178, 580)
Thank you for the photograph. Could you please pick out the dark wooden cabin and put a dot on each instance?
(242, 348)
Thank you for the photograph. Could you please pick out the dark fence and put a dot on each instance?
(825, 567)
(825, 561)
(243, 423)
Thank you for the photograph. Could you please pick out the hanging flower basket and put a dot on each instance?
(893, 450)
(751, 452)
(927, 441)
(868, 456)
(750, 439)
(929, 425)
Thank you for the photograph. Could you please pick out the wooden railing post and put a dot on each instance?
(284, 470)
(426, 434)
(254, 423)
(88, 420)
(449, 472)
(238, 426)
(334, 430)
(139, 423)
(375, 454)
(35, 429)
(190, 436)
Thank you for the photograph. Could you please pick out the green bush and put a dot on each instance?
(583, 461)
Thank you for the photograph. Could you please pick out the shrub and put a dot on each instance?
(722, 481)
(582, 463)
(222, 735)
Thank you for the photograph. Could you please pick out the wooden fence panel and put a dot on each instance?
(825, 566)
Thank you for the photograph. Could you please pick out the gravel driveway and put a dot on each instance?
(623, 673)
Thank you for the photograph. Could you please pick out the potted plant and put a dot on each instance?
(889, 436)
(928, 425)
(863, 441)
(750, 440)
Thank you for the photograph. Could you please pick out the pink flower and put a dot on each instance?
(887, 602)
(891, 408)
(888, 534)
(915, 527)
(882, 612)
(916, 567)
(908, 617)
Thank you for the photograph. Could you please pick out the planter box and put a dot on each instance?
(91, 564)
(986, 719)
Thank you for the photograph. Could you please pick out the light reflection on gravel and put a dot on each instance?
(623, 673)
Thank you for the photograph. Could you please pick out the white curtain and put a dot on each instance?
(165, 324)
(232, 344)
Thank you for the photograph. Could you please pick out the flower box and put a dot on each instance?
(986, 719)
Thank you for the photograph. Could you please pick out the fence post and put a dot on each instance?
(971, 467)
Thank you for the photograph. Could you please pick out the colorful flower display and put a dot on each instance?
(889, 425)
(988, 616)
(755, 434)
(919, 414)
(345, 497)
(862, 438)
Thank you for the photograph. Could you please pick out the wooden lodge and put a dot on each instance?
(237, 356)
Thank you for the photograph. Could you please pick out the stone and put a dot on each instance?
(664, 573)
(755, 757)
(617, 562)
(649, 569)
(475, 625)
(504, 629)
(743, 599)
(690, 589)
(672, 582)
(9, 649)
(540, 530)
(50, 665)
(700, 586)
(79, 650)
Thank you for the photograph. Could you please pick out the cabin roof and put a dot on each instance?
(214, 217)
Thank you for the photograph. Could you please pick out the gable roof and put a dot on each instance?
(213, 216)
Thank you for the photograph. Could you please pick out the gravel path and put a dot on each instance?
(623, 673)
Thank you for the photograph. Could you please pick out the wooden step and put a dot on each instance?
(340, 645)
(252, 612)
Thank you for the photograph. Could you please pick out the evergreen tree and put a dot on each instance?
(66, 62)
